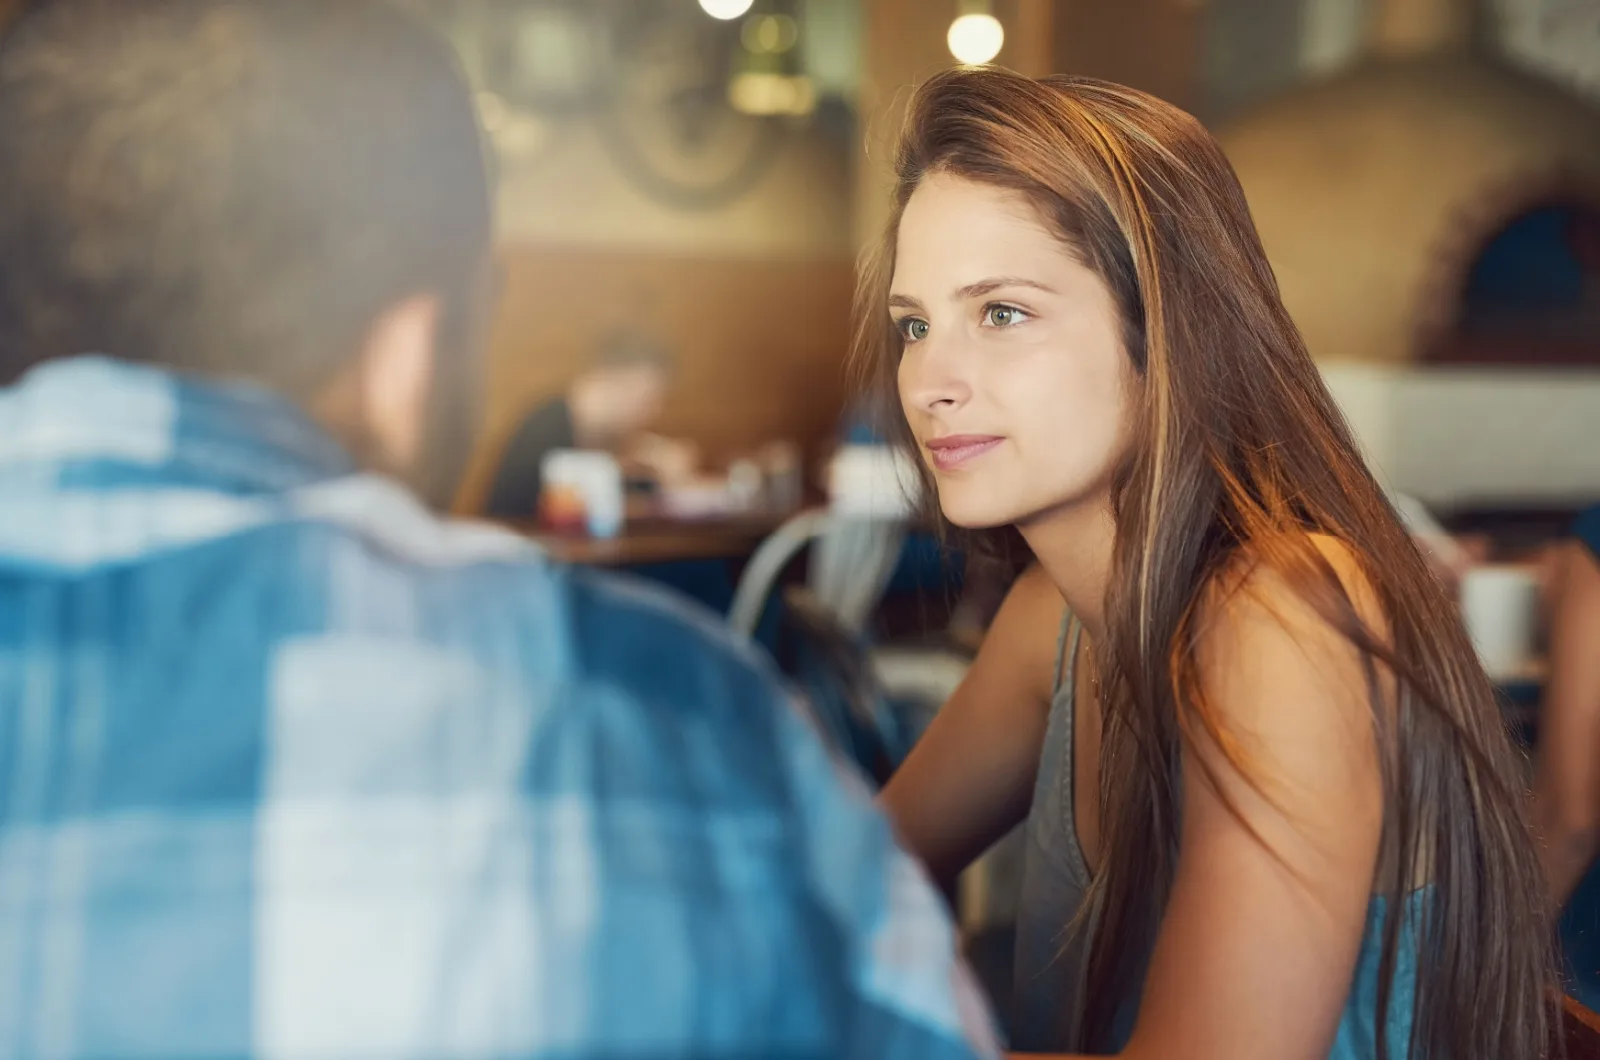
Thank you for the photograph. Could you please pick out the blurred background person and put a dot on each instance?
(611, 405)
(1568, 781)
(292, 767)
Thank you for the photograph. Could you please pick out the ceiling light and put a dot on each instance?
(769, 95)
(726, 9)
(974, 39)
(770, 34)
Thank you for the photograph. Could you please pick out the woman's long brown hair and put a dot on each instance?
(1239, 454)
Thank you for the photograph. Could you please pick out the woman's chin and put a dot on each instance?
(967, 514)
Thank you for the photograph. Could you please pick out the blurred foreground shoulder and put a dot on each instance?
(712, 711)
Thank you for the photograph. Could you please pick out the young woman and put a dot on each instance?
(1272, 810)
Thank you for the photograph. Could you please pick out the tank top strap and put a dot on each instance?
(1066, 653)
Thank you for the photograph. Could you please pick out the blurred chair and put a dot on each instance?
(855, 542)
(1579, 1032)
(852, 560)
(823, 648)
(856, 686)
(834, 676)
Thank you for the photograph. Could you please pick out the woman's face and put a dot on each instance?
(1013, 376)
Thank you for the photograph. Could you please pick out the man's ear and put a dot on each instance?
(398, 366)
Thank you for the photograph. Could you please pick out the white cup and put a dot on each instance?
(1500, 604)
(872, 481)
(594, 476)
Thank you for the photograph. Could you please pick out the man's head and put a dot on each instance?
(288, 191)
(621, 392)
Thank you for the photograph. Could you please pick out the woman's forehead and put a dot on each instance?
(956, 232)
(944, 201)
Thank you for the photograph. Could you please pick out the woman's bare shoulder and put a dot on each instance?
(1262, 641)
(1254, 579)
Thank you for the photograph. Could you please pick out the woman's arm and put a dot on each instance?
(970, 778)
(1269, 902)
(1567, 789)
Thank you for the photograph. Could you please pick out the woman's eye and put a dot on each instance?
(914, 329)
(1003, 316)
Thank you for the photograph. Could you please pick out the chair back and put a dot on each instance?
(832, 671)
(853, 557)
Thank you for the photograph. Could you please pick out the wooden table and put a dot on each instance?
(658, 540)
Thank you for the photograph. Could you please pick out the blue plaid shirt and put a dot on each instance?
(290, 768)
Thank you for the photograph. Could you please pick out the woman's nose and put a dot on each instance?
(933, 377)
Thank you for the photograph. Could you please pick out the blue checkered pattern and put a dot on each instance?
(291, 769)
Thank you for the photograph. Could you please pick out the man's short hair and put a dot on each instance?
(630, 347)
(230, 186)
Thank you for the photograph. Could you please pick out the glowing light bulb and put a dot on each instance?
(727, 10)
(975, 39)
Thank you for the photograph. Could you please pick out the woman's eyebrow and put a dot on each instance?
(994, 283)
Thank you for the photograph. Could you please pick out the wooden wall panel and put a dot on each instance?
(760, 344)
(1153, 45)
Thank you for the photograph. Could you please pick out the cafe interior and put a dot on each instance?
(685, 188)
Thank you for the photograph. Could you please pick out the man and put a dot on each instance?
(609, 405)
(289, 767)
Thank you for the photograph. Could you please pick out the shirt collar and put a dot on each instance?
(93, 416)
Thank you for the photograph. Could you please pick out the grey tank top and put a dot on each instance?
(1052, 951)
(1052, 954)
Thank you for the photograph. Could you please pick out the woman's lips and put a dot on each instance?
(956, 450)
